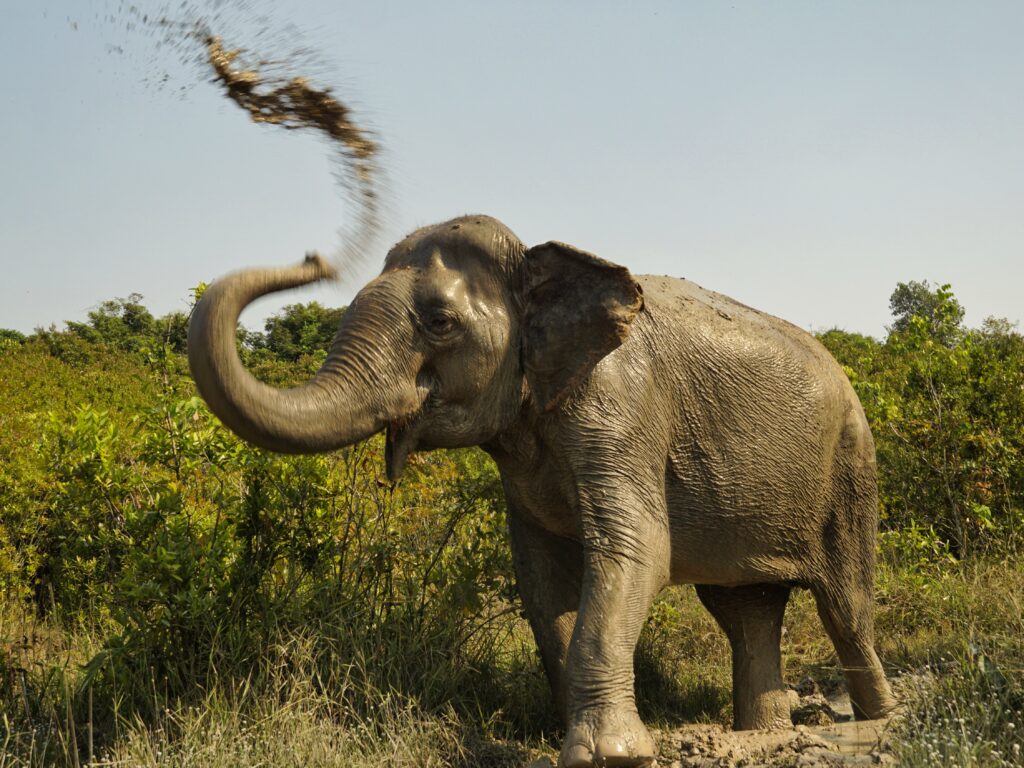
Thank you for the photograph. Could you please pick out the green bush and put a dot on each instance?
(191, 553)
(946, 406)
(197, 566)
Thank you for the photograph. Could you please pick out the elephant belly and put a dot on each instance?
(748, 487)
(732, 546)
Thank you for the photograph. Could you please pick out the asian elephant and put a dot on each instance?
(648, 432)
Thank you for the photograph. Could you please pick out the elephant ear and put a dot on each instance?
(578, 309)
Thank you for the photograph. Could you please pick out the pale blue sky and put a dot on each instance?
(802, 157)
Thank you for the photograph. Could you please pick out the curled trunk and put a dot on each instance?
(365, 383)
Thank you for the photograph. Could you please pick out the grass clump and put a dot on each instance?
(320, 697)
(291, 715)
(963, 713)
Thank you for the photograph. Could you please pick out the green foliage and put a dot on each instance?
(122, 323)
(35, 382)
(198, 567)
(187, 536)
(10, 338)
(125, 503)
(298, 330)
(118, 324)
(946, 406)
(678, 666)
(938, 310)
(970, 716)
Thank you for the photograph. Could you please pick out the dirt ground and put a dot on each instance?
(827, 736)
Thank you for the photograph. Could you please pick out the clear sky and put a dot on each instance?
(801, 157)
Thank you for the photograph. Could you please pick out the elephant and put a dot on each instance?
(647, 432)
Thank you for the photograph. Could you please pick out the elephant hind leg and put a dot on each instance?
(844, 589)
(846, 613)
(751, 617)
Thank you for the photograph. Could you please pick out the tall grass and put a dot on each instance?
(333, 693)
(319, 697)
(963, 713)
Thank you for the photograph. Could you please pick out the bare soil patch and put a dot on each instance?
(832, 739)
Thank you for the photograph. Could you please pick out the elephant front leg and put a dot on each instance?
(604, 728)
(549, 572)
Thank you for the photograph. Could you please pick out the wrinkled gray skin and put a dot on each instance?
(648, 432)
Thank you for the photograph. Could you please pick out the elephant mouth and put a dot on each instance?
(399, 443)
(402, 435)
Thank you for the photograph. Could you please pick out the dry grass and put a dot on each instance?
(303, 727)
(960, 631)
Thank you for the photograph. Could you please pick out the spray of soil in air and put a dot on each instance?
(295, 104)
(273, 91)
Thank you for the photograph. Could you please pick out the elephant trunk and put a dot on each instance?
(367, 381)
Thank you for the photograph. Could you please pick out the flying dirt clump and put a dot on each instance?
(293, 103)
(274, 90)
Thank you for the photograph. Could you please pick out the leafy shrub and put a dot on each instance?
(197, 564)
(946, 406)
(193, 552)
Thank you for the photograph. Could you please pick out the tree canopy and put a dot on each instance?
(937, 308)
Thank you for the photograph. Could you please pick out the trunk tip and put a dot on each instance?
(322, 269)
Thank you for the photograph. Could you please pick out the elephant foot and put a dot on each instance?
(607, 738)
(767, 710)
(872, 698)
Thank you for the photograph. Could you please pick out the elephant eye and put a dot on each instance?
(440, 323)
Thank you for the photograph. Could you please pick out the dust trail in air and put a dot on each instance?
(274, 87)
(294, 104)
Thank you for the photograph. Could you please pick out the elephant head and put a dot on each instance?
(462, 330)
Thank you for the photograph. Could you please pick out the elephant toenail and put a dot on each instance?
(576, 756)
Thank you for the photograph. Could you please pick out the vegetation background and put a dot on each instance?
(172, 596)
